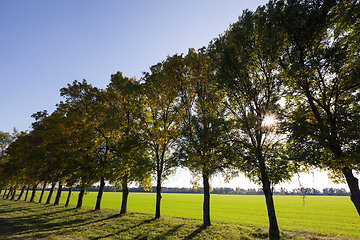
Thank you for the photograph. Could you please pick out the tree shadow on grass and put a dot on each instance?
(42, 225)
(4, 203)
(42, 221)
(124, 230)
(12, 210)
(85, 220)
(196, 232)
(169, 233)
(166, 235)
(37, 221)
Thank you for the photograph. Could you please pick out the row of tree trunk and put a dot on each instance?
(206, 205)
(12, 192)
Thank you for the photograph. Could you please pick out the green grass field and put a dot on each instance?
(321, 214)
(24, 220)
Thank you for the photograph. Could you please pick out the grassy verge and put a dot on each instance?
(328, 215)
(24, 220)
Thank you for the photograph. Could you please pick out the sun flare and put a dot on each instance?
(269, 121)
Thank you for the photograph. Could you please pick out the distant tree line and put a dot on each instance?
(220, 190)
(236, 191)
(276, 94)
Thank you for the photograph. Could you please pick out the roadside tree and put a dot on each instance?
(321, 64)
(85, 103)
(163, 118)
(124, 113)
(243, 60)
(204, 145)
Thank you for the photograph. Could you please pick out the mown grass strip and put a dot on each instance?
(24, 220)
(320, 214)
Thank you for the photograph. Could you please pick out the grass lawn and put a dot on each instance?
(24, 220)
(330, 215)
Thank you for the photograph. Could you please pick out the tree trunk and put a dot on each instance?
(4, 193)
(80, 199)
(158, 195)
(100, 193)
(22, 192)
(206, 204)
(58, 195)
(42, 192)
(353, 184)
(10, 191)
(33, 193)
(13, 195)
(27, 192)
(68, 197)
(50, 193)
(274, 232)
(125, 194)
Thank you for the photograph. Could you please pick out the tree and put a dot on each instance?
(86, 103)
(206, 125)
(163, 117)
(42, 191)
(68, 197)
(321, 63)
(124, 111)
(81, 167)
(25, 155)
(5, 141)
(243, 60)
(21, 192)
(55, 145)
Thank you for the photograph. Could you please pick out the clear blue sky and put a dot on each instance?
(44, 45)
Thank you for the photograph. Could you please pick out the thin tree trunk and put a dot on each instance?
(4, 193)
(68, 197)
(353, 184)
(100, 193)
(351, 180)
(42, 192)
(22, 192)
(13, 195)
(125, 194)
(206, 204)
(158, 195)
(50, 193)
(274, 232)
(80, 199)
(58, 195)
(33, 193)
(10, 191)
(27, 192)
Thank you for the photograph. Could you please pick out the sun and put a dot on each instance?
(269, 121)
